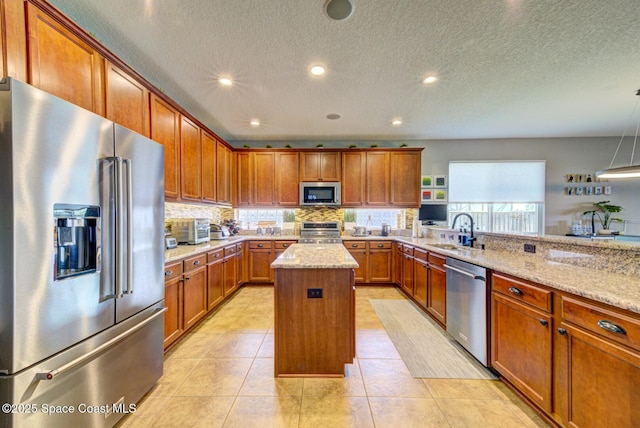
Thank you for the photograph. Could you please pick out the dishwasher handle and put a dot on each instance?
(464, 272)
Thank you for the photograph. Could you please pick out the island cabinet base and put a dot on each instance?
(314, 336)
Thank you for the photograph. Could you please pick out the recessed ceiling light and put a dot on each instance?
(396, 122)
(333, 116)
(225, 81)
(317, 70)
(254, 122)
(429, 79)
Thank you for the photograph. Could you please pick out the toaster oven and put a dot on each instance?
(191, 230)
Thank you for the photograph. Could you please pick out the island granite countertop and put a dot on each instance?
(315, 256)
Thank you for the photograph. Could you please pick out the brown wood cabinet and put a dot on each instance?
(353, 179)
(264, 179)
(437, 287)
(126, 100)
(215, 275)
(599, 365)
(405, 179)
(209, 167)
(244, 179)
(173, 297)
(224, 174)
(259, 262)
(229, 269)
(190, 160)
(374, 259)
(195, 290)
(377, 179)
(398, 256)
(165, 129)
(519, 329)
(61, 63)
(358, 250)
(241, 271)
(287, 179)
(407, 269)
(320, 166)
(420, 276)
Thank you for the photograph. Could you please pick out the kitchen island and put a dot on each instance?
(314, 297)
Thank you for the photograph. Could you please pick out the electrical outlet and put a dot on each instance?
(314, 293)
(529, 248)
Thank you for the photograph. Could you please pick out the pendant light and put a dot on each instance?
(631, 171)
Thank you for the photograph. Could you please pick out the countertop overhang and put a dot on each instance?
(315, 256)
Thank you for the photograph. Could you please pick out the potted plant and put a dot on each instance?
(349, 220)
(603, 211)
(288, 220)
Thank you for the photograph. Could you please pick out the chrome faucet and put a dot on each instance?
(453, 226)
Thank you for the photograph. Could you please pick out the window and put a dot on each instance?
(391, 217)
(501, 196)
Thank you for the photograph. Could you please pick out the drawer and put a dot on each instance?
(408, 250)
(230, 250)
(172, 270)
(522, 291)
(379, 245)
(260, 245)
(212, 256)
(283, 245)
(353, 245)
(436, 259)
(397, 246)
(420, 254)
(239, 247)
(195, 262)
(606, 322)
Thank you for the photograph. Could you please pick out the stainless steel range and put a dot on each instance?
(326, 232)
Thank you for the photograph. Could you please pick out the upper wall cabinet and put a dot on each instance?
(267, 179)
(209, 166)
(224, 174)
(405, 179)
(190, 160)
(287, 179)
(320, 166)
(165, 129)
(126, 99)
(61, 63)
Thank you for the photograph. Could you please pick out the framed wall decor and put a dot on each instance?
(440, 195)
(440, 181)
(427, 181)
(426, 195)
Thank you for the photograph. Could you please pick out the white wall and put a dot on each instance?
(563, 156)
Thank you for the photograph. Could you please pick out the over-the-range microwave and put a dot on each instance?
(321, 193)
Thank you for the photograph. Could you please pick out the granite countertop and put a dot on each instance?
(315, 256)
(618, 290)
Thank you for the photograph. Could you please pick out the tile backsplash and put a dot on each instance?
(176, 210)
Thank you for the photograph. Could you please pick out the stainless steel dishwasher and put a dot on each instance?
(467, 306)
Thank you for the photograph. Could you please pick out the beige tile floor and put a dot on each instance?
(221, 375)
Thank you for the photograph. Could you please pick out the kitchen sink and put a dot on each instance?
(447, 246)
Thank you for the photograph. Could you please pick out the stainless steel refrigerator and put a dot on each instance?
(81, 263)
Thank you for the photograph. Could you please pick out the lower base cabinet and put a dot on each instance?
(437, 288)
(173, 325)
(195, 290)
(215, 278)
(420, 276)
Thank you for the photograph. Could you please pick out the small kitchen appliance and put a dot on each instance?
(320, 194)
(191, 230)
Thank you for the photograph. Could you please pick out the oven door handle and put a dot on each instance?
(51, 374)
(464, 272)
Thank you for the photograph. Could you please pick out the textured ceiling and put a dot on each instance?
(506, 68)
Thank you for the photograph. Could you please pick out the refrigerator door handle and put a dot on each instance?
(108, 176)
(51, 374)
(120, 230)
(129, 225)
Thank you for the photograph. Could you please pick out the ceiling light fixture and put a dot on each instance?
(225, 81)
(333, 116)
(429, 79)
(396, 122)
(254, 122)
(631, 171)
(338, 9)
(317, 70)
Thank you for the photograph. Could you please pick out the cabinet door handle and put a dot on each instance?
(544, 322)
(188, 278)
(516, 291)
(611, 327)
(562, 331)
(167, 273)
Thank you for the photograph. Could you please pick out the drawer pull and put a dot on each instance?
(380, 245)
(260, 245)
(188, 278)
(562, 331)
(169, 272)
(285, 245)
(544, 322)
(196, 262)
(354, 245)
(516, 291)
(611, 327)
